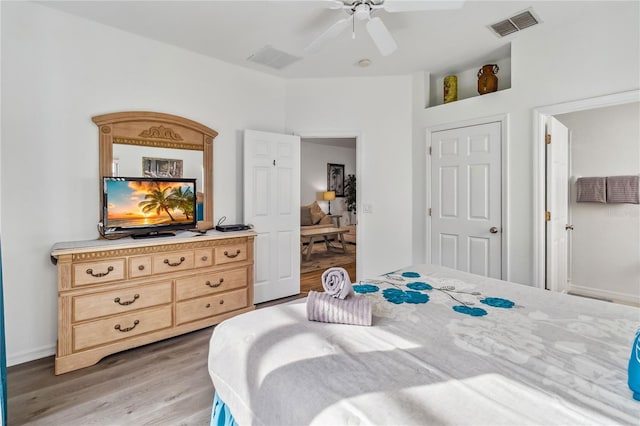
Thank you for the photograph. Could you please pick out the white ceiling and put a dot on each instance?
(433, 41)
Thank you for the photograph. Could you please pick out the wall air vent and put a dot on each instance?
(517, 22)
(272, 58)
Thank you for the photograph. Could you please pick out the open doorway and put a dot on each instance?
(328, 220)
(602, 251)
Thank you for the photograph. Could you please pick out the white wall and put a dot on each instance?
(313, 172)
(379, 109)
(586, 57)
(605, 242)
(57, 72)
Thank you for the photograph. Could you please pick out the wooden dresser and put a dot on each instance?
(118, 294)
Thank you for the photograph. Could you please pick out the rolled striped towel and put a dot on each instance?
(336, 282)
(354, 310)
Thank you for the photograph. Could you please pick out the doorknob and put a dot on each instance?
(493, 230)
(568, 227)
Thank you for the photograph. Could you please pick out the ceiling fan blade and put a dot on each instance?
(334, 4)
(329, 33)
(381, 36)
(420, 5)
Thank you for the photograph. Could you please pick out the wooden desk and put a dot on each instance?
(318, 234)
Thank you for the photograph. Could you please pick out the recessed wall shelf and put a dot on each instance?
(467, 77)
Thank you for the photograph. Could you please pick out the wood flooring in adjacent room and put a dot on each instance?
(163, 383)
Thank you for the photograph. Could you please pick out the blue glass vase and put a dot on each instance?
(634, 367)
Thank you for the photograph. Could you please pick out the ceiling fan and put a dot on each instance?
(362, 10)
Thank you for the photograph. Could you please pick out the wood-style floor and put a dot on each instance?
(164, 383)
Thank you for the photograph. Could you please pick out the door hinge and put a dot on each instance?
(429, 211)
(547, 216)
(547, 139)
(430, 150)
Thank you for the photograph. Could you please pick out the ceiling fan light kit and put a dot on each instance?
(361, 10)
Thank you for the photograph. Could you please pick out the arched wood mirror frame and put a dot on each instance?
(159, 130)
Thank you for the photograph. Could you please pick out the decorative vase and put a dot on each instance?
(487, 79)
(450, 88)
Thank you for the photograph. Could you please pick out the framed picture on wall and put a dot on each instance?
(335, 178)
(161, 167)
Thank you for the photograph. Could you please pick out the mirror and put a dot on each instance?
(144, 161)
(151, 144)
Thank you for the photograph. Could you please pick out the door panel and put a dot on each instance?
(479, 255)
(479, 192)
(558, 205)
(449, 250)
(272, 201)
(449, 192)
(466, 192)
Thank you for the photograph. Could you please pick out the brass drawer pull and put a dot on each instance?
(100, 274)
(208, 305)
(204, 258)
(128, 302)
(215, 284)
(221, 301)
(231, 256)
(141, 268)
(124, 330)
(182, 259)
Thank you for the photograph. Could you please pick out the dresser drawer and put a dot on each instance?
(172, 261)
(204, 258)
(208, 306)
(120, 327)
(139, 266)
(98, 272)
(214, 282)
(120, 301)
(230, 253)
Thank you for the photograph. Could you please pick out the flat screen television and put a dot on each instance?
(147, 207)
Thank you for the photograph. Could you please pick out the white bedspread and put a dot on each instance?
(549, 359)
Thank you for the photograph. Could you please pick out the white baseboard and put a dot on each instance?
(31, 355)
(605, 294)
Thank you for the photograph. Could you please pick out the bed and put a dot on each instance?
(445, 347)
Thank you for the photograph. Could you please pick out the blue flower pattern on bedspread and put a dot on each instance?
(365, 288)
(410, 274)
(468, 310)
(497, 302)
(420, 286)
(398, 295)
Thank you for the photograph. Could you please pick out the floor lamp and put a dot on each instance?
(329, 196)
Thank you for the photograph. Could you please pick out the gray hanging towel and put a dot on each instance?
(623, 189)
(591, 190)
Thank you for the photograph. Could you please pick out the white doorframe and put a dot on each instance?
(539, 118)
(504, 120)
(310, 134)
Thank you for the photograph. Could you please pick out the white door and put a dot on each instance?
(272, 206)
(557, 206)
(466, 197)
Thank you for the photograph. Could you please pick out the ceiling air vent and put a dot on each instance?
(517, 22)
(272, 58)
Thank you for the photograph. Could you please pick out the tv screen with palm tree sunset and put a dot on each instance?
(142, 202)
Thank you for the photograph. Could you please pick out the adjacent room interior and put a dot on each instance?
(328, 200)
